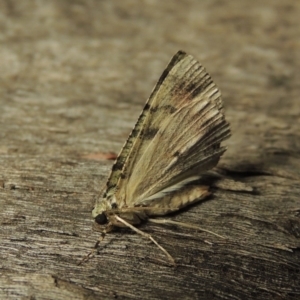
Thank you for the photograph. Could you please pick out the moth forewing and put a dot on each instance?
(176, 138)
(175, 151)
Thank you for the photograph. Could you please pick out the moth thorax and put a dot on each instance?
(103, 207)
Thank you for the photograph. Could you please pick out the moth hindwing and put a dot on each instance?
(176, 138)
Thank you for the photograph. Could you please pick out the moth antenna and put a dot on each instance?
(187, 225)
(147, 236)
(86, 258)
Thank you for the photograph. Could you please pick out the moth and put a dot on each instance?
(177, 137)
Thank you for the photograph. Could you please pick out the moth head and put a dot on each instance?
(101, 219)
(100, 210)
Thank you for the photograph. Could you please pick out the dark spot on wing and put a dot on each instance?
(176, 154)
(153, 109)
(117, 166)
(149, 133)
(169, 109)
(134, 132)
(109, 187)
(166, 108)
(147, 106)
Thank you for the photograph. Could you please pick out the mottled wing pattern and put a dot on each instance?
(177, 136)
(139, 130)
(185, 146)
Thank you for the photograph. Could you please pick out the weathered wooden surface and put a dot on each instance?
(74, 77)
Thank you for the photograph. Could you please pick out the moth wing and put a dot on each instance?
(183, 101)
(141, 129)
(186, 145)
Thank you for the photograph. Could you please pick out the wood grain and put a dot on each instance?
(74, 77)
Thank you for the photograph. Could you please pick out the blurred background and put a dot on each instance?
(75, 56)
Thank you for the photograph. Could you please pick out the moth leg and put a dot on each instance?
(107, 229)
(187, 225)
(147, 236)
